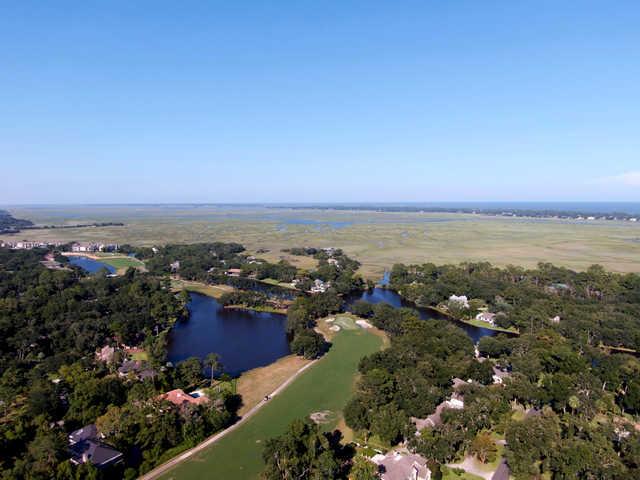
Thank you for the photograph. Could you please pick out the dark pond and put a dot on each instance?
(244, 339)
(89, 264)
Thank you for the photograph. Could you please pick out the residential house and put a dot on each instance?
(456, 402)
(175, 266)
(234, 272)
(85, 445)
(87, 432)
(319, 286)
(179, 398)
(84, 247)
(402, 466)
(137, 369)
(487, 317)
(27, 245)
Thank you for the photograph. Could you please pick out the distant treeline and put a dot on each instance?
(79, 225)
(504, 212)
(10, 224)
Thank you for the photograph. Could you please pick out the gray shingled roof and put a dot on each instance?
(87, 432)
(98, 453)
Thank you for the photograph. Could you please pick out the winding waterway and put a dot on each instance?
(246, 339)
(380, 295)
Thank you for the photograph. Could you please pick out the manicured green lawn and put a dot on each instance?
(327, 385)
(122, 262)
(450, 474)
(481, 324)
(142, 356)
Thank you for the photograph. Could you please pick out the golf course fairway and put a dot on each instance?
(324, 387)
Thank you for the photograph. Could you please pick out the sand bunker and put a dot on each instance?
(324, 416)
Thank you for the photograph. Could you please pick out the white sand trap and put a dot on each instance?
(335, 328)
(324, 416)
(329, 320)
(364, 324)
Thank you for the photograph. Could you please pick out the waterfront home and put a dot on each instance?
(179, 398)
(137, 369)
(234, 272)
(487, 317)
(402, 466)
(85, 445)
(84, 247)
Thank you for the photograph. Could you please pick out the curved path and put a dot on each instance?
(156, 472)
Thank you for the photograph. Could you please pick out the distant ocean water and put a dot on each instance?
(67, 211)
(592, 207)
(630, 208)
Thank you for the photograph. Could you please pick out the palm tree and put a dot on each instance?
(213, 362)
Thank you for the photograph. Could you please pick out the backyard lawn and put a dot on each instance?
(324, 387)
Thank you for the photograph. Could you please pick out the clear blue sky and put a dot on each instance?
(319, 101)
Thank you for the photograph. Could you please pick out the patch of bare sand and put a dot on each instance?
(255, 384)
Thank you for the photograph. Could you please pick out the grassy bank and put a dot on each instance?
(122, 263)
(118, 261)
(215, 291)
(326, 386)
(488, 326)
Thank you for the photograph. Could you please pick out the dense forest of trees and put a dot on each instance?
(194, 262)
(567, 407)
(51, 324)
(590, 307)
(303, 452)
(334, 266)
(301, 321)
